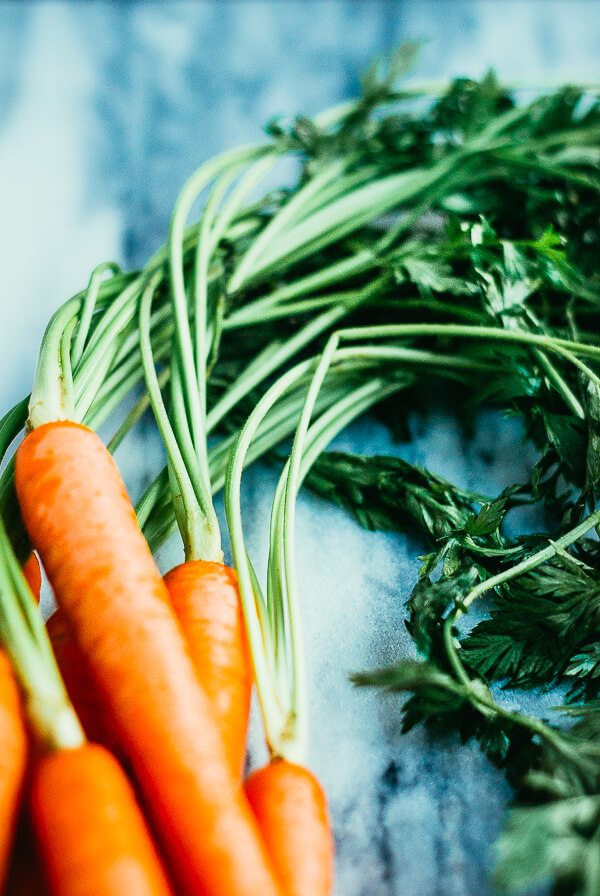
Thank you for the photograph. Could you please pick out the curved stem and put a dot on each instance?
(280, 221)
(183, 206)
(26, 641)
(89, 304)
(198, 538)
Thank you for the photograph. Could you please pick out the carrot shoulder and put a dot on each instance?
(80, 519)
(13, 760)
(205, 598)
(91, 833)
(291, 810)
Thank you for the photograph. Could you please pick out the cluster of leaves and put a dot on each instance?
(543, 627)
(504, 236)
(540, 171)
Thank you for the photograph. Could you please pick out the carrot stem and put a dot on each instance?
(26, 641)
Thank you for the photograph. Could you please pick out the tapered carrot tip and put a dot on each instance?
(291, 810)
(91, 833)
(206, 601)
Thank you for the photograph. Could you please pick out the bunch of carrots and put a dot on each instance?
(125, 716)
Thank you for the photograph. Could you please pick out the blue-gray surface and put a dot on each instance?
(105, 109)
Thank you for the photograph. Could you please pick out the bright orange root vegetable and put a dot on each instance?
(91, 833)
(78, 681)
(13, 760)
(206, 601)
(81, 687)
(291, 810)
(81, 522)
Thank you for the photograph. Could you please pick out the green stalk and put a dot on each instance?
(24, 637)
(198, 536)
(275, 640)
(50, 399)
(184, 204)
(325, 277)
(88, 306)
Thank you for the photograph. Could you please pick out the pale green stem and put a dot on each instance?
(89, 304)
(286, 214)
(283, 725)
(272, 360)
(136, 413)
(260, 639)
(195, 532)
(183, 206)
(565, 347)
(334, 273)
(560, 384)
(240, 193)
(349, 213)
(49, 399)
(26, 641)
(212, 229)
(203, 255)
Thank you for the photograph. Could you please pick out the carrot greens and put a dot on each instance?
(435, 240)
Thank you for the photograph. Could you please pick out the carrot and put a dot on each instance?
(13, 759)
(74, 670)
(80, 519)
(91, 833)
(80, 685)
(33, 575)
(291, 810)
(205, 597)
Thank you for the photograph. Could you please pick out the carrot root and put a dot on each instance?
(291, 810)
(91, 833)
(206, 601)
(81, 522)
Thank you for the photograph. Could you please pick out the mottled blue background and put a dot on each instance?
(105, 109)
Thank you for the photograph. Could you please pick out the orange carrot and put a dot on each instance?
(13, 760)
(33, 575)
(91, 833)
(80, 685)
(80, 519)
(286, 798)
(291, 810)
(205, 597)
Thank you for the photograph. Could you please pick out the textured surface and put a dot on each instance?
(105, 109)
